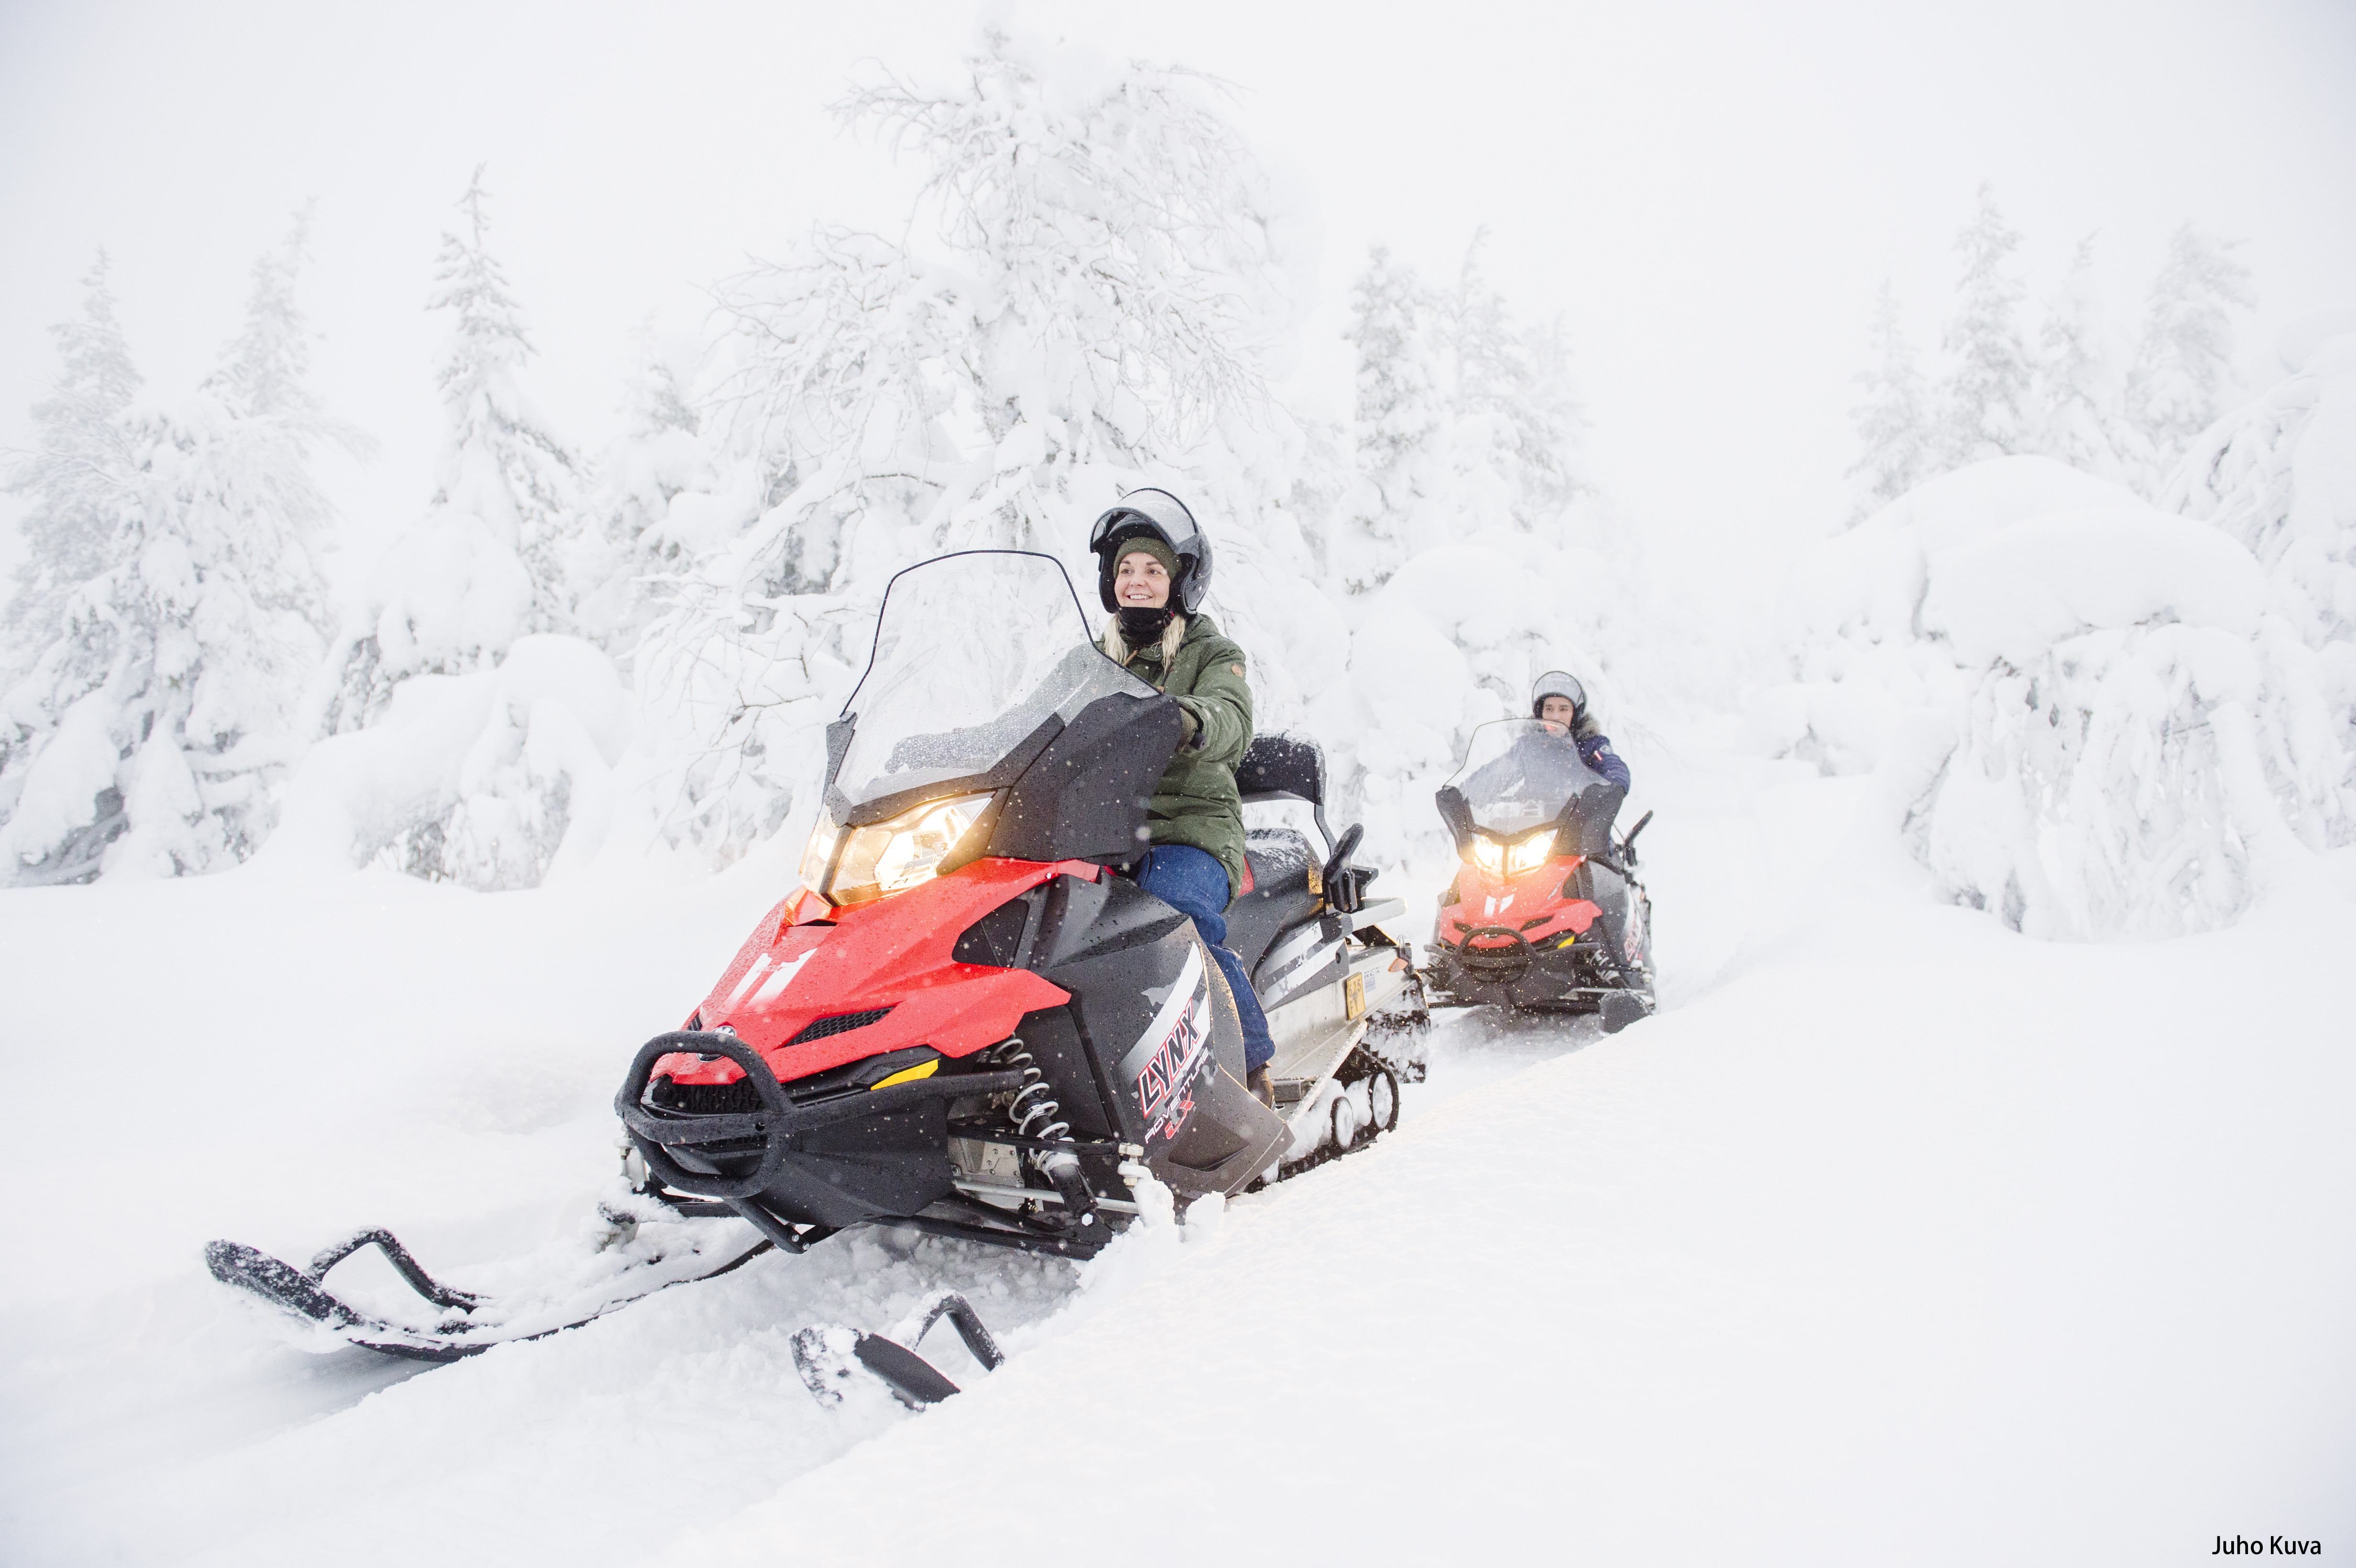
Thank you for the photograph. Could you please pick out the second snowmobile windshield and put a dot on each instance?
(1520, 773)
(974, 653)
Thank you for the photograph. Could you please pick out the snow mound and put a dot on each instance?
(2013, 594)
(2093, 719)
(504, 778)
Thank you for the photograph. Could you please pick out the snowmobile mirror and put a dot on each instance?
(1628, 839)
(1456, 814)
(1346, 885)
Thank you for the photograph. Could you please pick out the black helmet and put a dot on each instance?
(1158, 514)
(1558, 683)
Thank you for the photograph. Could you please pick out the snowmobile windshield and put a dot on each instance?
(979, 658)
(1520, 774)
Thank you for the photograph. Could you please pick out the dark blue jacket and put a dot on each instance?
(1595, 751)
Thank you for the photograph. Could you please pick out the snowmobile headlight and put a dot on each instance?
(1487, 853)
(1529, 854)
(895, 856)
(816, 858)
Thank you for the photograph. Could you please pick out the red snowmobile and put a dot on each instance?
(966, 1020)
(1548, 914)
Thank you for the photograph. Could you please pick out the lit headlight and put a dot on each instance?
(895, 856)
(820, 852)
(1487, 853)
(1529, 854)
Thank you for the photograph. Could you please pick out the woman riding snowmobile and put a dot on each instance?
(1150, 552)
(971, 1018)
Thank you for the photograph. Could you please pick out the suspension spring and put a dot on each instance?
(1036, 1114)
(1034, 1110)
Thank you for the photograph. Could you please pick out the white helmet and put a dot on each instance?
(1558, 683)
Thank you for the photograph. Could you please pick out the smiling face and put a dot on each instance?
(1557, 710)
(1140, 582)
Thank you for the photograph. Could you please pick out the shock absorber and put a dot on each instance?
(1036, 1113)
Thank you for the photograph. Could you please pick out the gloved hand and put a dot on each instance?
(1190, 735)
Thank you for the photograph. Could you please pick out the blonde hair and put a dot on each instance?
(1118, 651)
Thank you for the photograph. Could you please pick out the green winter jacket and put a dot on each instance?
(1196, 803)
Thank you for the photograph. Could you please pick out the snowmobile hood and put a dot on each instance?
(878, 978)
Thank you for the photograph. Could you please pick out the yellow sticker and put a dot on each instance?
(1354, 995)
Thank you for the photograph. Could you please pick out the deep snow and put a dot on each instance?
(1897, 1237)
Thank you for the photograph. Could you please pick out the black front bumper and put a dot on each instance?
(845, 1159)
(1518, 974)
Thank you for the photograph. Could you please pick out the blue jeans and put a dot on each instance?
(1193, 882)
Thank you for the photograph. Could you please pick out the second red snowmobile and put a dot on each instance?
(1548, 912)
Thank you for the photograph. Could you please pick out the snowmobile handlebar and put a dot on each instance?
(775, 1124)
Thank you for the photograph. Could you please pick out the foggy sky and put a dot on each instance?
(1708, 195)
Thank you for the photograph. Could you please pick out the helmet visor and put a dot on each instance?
(1562, 684)
(1161, 510)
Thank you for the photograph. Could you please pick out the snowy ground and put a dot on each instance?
(1895, 1238)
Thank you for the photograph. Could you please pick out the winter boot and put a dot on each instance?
(1263, 1088)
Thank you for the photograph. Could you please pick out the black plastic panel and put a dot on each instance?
(996, 939)
(1053, 1042)
(857, 1170)
(1085, 796)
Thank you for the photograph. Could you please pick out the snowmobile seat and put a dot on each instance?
(1282, 893)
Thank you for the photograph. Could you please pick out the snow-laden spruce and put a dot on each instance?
(2279, 475)
(2183, 370)
(1985, 400)
(171, 607)
(2080, 385)
(1084, 307)
(1893, 422)
(472, 717)
(2121, 406)
(1464, 420)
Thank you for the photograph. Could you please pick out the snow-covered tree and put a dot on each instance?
(2278, 476)
(178, 621)
(1465, 421)
(507, 546)
(1088, 311)
(505, 464)
(1400, 411)
(1985, 398)
(1516, 415)
(1893, 422)
(2080, 381)
(79, 471)
(657, 458)
(511, 555)
(2184, 364)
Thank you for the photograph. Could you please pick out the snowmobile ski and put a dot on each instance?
(830, 1356)
(469, 1324)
